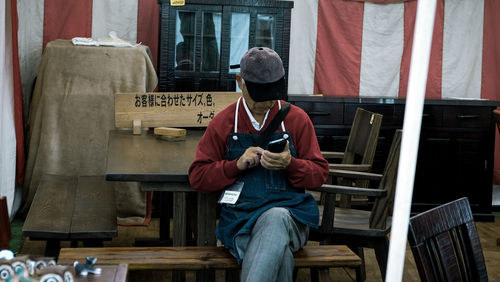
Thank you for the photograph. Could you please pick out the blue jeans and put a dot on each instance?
(268, 251)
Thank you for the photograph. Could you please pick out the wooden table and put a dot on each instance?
(162, 166)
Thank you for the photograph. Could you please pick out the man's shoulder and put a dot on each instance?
(297, 112)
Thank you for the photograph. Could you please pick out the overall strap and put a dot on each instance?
(266, 135)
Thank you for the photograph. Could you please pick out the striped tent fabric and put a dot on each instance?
(11, 118)
(363, 48)
(350, 48)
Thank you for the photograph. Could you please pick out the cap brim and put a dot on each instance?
(260, 92)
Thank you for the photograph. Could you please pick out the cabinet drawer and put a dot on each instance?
(323, 113)
(392, 114)
(432, 116)
(478, 117)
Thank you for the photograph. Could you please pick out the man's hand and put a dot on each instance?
(249, 159)
(276, 161)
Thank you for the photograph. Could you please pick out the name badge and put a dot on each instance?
(232, 193)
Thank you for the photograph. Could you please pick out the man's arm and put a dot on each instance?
(210, 171)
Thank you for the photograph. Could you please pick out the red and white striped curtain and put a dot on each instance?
(11, 117)
(363, 48)
(338, 47)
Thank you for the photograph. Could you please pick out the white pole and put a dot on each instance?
(419, 66)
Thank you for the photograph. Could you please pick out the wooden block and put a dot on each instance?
(137, 126)
(170, 109)
(171, 138)
(170, 131)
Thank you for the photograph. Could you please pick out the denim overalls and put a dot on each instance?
(262, 190)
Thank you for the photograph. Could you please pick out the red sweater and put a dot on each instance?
(210, 171)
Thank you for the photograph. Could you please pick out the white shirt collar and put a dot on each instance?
(255, 123)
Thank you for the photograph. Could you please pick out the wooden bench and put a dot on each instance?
(321, 257)
(74, 208)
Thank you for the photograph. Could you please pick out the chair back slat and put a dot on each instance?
(363, 137)
(445, 244)
(382, 207)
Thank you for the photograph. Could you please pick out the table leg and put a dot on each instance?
(165, 202)
(180, 219)
(206, 229)
(207, 204)
(179, 226)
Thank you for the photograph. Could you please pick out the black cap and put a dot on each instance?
(264, 75)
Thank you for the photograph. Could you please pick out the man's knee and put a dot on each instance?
(276, 215)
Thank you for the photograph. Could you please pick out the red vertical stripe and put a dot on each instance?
(148, 25)
(65, 19)
(338, 48)
(490, 81)
(434, 77)
(18, 98)
(490, 84)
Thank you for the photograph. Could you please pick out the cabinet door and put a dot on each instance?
(454, 158)
(196, 41)
(199, 42)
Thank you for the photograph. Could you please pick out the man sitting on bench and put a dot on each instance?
(265, 214)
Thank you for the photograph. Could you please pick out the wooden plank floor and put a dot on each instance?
(488, 232)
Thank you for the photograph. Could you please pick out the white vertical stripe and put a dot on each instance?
(419, 69)
(302, 57)
(7, 129)
(115, 15)
(462, 48)
(381, 49)
(30, 43)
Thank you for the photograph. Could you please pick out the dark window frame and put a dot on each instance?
(170, 78)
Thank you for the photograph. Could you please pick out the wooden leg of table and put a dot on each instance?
(324, 274)
(320, 274)
(165, 202)
(498, 241)
(180, 219)
(52, 248)
(179, 226)
(206, 230)
(207, 205)
(165, 215)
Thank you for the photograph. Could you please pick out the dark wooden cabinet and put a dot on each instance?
(201, 39)
(456, 150)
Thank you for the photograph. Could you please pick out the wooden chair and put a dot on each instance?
(359, 152)
(5, 233)
(445, 244)
(361, 228)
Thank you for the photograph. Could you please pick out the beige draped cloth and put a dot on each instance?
(72, 111)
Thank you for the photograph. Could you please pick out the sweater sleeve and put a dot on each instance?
(309, 169)
(209, 171)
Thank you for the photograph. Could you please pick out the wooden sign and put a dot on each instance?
(170, 109)
(177, 2)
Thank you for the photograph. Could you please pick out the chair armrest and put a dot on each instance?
(355, 174)
(332, 155)
(355, 167)
(338, 189)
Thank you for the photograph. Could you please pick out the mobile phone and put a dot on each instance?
(276, 146)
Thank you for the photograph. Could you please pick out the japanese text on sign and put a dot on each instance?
(173, 100)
